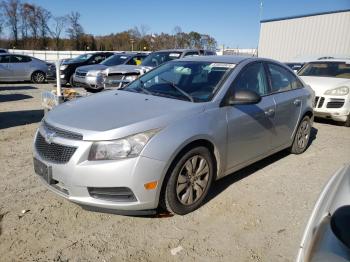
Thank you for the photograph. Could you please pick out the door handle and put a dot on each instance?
(297, 102)
(270, 112)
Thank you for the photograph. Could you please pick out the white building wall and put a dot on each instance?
(306, 37)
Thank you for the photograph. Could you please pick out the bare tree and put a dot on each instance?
(59, 23)
(12, 16)
(43, 17)
(75, 29)
(144, 30)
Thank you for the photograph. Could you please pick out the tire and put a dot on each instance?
(38, 77)
(183, 191)
(302, 136)
(347, 122)
(91, 90)
(71, 81)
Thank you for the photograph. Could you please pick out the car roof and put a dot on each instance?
(344, 60)
(218, 59)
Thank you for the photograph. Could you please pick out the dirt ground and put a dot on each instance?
(257, 214)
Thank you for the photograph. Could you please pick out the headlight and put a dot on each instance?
(130, 146)
(130, 78)
(339, 91)
(92, 73)
(63, 67)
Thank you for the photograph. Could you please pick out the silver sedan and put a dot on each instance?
(15, 67)
(163, 139)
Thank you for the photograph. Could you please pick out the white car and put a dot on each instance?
(330, 79)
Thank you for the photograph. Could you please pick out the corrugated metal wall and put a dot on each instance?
(306, 37)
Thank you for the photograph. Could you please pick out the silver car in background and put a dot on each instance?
(164, 138)
(15, 67)
(90, 76)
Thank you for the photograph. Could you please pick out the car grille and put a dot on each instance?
(335, 103)
(80, 73)
(318, 103)
(63, 133)
(53, 152)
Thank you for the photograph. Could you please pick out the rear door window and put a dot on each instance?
(20, 59)
(281, 80)
(4, 59)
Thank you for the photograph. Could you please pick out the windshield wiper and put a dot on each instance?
(178, 89)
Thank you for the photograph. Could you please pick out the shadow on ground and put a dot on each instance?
(13, 97)
(19, 118)
(328, 121)
(220, 185)
(16, 88)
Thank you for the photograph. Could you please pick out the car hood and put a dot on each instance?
(127, 69)
(321, 84)
(114, 114)
(91, 68)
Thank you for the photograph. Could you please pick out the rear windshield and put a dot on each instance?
(326, 69)
(115, 60)
(82, 58)
(158, 58)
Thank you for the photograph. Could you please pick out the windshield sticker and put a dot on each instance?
(174, 55)
(123, 57)
(223, 65)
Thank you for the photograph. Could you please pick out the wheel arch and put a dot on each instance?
(205, 142)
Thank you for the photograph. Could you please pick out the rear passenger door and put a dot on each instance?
(287, 93)
(5, 71)
(20, 67)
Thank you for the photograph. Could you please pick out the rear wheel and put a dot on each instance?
(302, 136)
(189, 181)
(38, 77)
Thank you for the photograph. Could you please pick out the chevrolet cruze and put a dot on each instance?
(163, 139)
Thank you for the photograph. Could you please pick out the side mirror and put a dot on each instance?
(244, 97)
(340, 224)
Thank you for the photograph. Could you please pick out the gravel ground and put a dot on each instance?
(256, 214)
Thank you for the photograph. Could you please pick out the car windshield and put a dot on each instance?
(184, 80)
(115, 60)
(326, 69)
(158, 58)
(82, 58)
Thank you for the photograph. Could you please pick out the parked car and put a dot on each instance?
(327, 234)
(15, 67)
(119, 76)
(330, 79)
(3, 51)
(90, 76)
(67, 67)
(164, 138)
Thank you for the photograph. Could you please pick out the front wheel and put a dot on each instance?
(302, 136)
(189, 181)
(38, 77)
(347, 122)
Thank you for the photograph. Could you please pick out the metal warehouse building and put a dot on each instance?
(309, 36)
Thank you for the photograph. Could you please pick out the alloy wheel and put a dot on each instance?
(192, 180)
(303, 134)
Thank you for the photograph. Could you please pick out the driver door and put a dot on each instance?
(250, 127)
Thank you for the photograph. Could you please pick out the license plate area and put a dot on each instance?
(43, 171)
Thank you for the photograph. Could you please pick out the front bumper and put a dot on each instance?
(75, 178)
(336, 108)
(92, 82)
